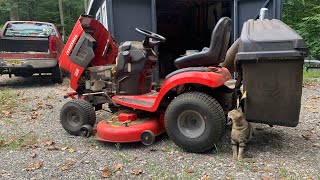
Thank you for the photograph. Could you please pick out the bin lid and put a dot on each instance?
(269, 38)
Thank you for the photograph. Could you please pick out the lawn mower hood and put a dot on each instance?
(90, 44)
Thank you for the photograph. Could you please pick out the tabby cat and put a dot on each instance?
(240, 134)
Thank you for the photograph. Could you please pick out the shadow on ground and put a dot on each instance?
(30, 82)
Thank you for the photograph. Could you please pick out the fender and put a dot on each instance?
(210, 79)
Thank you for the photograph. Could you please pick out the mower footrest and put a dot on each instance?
(139, 102)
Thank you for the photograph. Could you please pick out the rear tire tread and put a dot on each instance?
(216, 112)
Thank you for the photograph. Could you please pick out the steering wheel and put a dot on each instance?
(151, 35)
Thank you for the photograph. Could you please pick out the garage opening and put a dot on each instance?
(187, 25)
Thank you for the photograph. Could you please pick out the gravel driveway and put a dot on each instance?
(33, 144)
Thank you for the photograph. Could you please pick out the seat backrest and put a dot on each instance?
(213, 55)
(220, 39)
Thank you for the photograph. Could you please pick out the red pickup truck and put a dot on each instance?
(29, 47)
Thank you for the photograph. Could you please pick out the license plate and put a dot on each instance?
(13, 62)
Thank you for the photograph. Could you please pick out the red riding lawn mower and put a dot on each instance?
(191, 105)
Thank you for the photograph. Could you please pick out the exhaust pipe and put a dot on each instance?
(263, 13)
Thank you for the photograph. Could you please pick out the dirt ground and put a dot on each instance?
(33, 144)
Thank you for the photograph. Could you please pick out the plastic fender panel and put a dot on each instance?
(90, 44)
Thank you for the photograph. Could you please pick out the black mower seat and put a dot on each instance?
(216, 53)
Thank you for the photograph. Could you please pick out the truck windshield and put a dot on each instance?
(29, 29)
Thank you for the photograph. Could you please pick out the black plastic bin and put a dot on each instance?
(271, 56)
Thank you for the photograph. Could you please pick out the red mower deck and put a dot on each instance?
(130, 131)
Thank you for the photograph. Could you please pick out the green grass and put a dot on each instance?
(155, 173)
(283, 172)
(310, 78)
(8, 100)
(18, 142)
(125, 158)
(307, 74)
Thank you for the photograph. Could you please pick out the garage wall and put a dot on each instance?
(129, 14)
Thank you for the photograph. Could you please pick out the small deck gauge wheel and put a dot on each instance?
(86, 130)
(147, 137)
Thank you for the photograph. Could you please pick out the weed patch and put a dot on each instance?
(18, 142)
(8, 100)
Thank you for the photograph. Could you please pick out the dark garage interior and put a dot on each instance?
(187, 25)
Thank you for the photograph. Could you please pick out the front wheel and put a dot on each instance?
(75, 114)
(195, 121)
(56, 75)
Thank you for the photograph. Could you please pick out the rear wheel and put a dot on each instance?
(195, 121)
(56, 75)
(75, 114)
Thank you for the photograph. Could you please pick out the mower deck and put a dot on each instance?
(114, 130)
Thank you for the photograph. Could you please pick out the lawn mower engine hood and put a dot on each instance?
(90, 44)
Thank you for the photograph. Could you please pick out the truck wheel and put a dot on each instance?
(75, 114)
(56, 75)
(195, 121)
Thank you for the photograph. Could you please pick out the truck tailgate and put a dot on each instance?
(23, 44)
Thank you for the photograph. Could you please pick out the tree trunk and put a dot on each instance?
(14, 11)
(61, 18)
(85, 6)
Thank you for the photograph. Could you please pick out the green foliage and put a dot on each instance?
(7, 5)
(304, 17)
(44, 10)
(315, 74)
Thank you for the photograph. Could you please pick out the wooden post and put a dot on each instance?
(61, 18)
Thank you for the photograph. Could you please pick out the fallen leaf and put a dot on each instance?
(7, 114)
(36, 97)
(48, 143)
(117, 167)
(34, 166)
(49, 106)
(229, 177)
(309, 107)
(11, 140)
(265, 178)
(53, 148)
(254, 169)
(1, 143)
(33, 155)
(64, 148)
(136, 171)
(266, 169)
(315, 111)
(283, 178)
(70, 150)
(34, 115)
(316, 145)
(32, 146)
(249, 160)
(309, 178)
(205, 177)
(34, 109)
(306, 136)
(189, 170)
(68, 165)
(106, 173)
